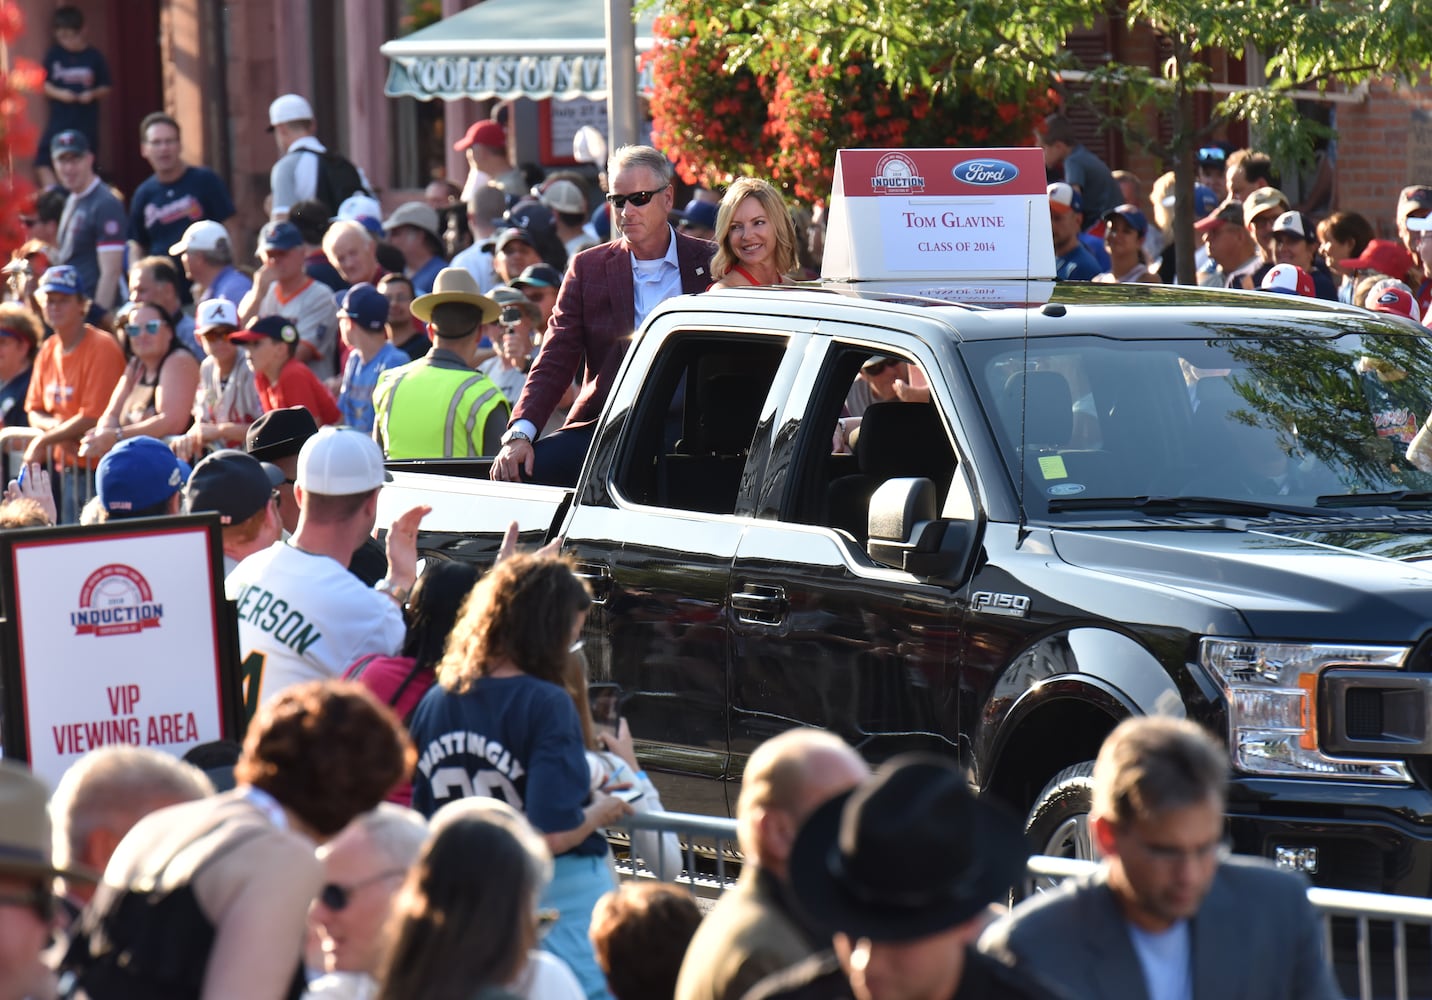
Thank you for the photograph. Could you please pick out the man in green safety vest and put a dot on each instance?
(439, 406)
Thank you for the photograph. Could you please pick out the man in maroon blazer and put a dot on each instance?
(606, 295)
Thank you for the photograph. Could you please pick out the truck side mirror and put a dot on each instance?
(905, 530)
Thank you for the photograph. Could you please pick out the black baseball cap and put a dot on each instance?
(234, 484)
(280, 433)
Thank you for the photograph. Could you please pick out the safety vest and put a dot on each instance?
(435, 407)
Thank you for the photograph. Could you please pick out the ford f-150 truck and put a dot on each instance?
(1115, 500)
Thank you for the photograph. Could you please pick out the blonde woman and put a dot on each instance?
(755, 238)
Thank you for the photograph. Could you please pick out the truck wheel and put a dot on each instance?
(1058, 825)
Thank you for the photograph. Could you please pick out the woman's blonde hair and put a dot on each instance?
(780, 217)
(523, 610)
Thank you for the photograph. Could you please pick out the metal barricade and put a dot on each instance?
(1365, 934)
(710, 857)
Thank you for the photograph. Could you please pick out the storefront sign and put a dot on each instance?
(115, 635)
(938, 214)
(502, 76)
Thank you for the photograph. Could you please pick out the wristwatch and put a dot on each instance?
(516, 434)
(397, 593)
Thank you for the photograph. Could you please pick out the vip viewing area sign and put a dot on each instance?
(115, 633)
(913, 215)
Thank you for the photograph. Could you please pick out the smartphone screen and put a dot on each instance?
(605, 701)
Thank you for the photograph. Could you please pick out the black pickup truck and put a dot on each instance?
(1115, 500)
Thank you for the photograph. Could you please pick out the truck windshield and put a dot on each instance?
(1286, 423)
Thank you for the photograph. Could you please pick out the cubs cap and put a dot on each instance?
(206, 234)
(267, 327)
(233, 483)
(279, 433)
(215, 312)
(61, 279)
(289, 108)
(1289, 279)
(364, 305)
(138, 473)
(340, 461)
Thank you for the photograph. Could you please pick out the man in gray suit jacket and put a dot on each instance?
(1168, 917)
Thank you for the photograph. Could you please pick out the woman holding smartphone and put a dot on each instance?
(500, 722)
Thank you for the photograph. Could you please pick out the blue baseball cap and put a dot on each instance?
(1205, 200)
(137, 474)
(364, 305)
(70, 142)
(698, 213)
(62, 279)
(280, 236)
(1132, 216)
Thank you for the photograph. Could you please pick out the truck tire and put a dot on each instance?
(1058, 824)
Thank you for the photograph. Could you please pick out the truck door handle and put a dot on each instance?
(759, 604)
(598, 577)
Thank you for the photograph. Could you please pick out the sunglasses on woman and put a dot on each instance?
(337, 897)
(149, 327)
(637, 198)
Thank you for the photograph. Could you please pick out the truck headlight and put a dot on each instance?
(1272, 691)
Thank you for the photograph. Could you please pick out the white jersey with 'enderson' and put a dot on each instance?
(304, 617)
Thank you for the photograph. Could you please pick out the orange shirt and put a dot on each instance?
(297, 386)
(66, 384)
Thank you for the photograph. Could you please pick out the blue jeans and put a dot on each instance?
(578, 881)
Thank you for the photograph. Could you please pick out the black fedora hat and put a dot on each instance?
(909, 853)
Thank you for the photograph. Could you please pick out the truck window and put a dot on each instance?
(694, 421)
(861, 431)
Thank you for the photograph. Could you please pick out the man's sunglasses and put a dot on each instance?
(637, 198)
(149, 327)
(40, 900)
(878, 367)
(337, 897)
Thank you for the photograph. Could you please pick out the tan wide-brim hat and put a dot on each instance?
(455, 284)
(25, 827)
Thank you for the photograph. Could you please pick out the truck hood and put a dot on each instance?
(1331, 582)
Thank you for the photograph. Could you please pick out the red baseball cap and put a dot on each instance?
(1290, 279)
(1398, 302)
(1383, 256)
(484, 133)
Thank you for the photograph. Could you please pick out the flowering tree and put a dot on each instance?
(784, 116)
(17, 136)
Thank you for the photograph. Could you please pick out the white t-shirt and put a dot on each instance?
(294, 177)
(546, 977)
(1167, 961)
(306, 618)
(315, 315)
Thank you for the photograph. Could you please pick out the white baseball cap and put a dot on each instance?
(205, 234)
(357, 207)
(289, 108)
(564, 196)
(215, 312)
(340, 461)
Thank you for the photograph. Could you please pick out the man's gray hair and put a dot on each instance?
(115, 786)
(641, 156)
(220, 254)
(342, 228)
(396, 833)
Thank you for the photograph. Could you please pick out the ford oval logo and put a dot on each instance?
(985, 172)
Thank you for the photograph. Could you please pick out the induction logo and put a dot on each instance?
(985, 172)
(896, 173)
(116, 600)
